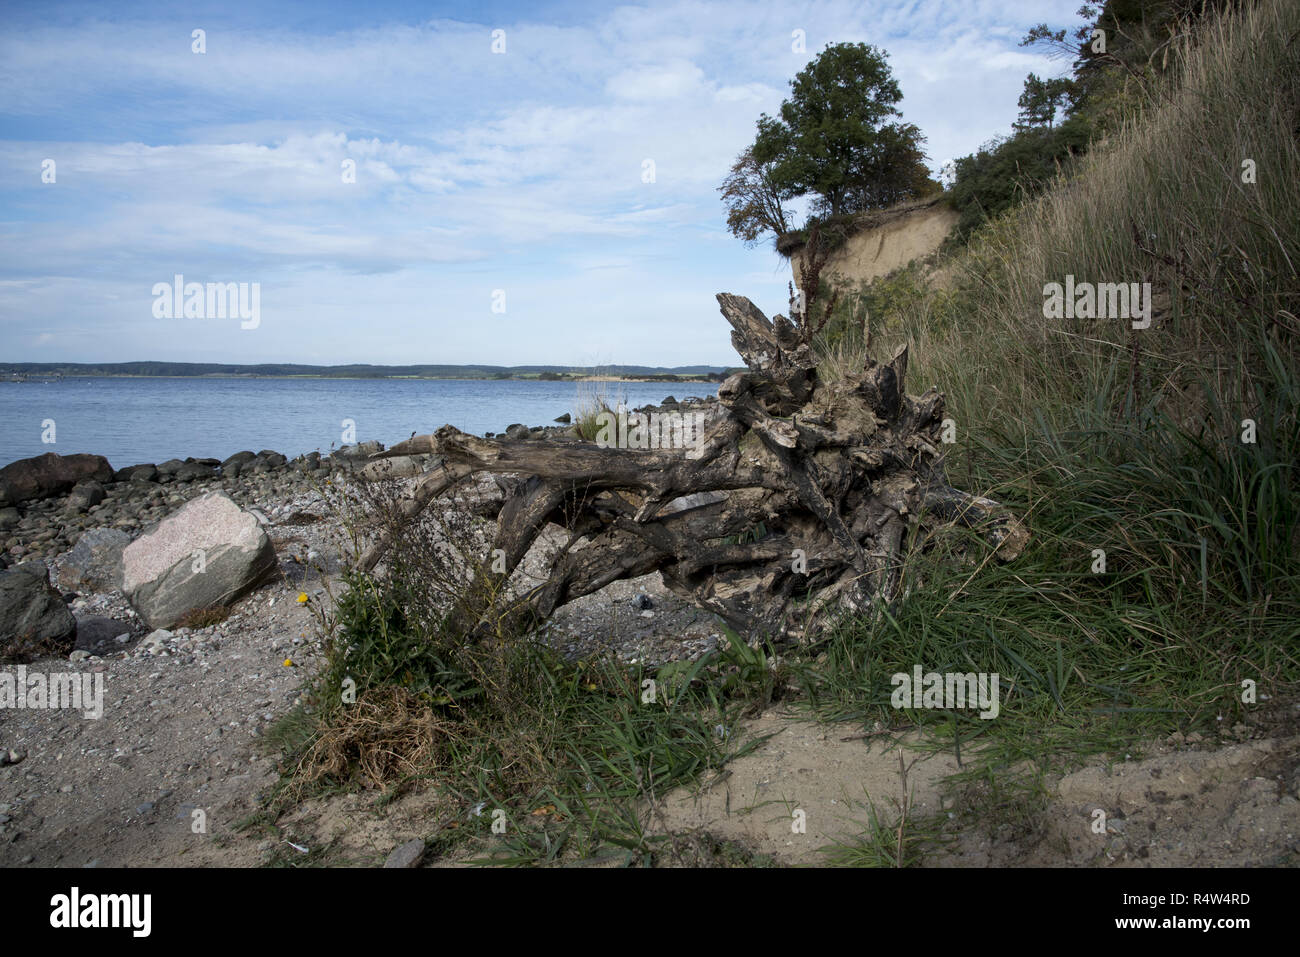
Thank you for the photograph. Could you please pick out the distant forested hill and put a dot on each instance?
(358, 371)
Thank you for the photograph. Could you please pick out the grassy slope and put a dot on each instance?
(1122, 440)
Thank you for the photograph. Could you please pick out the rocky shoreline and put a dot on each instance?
(185, 706)
(68, 520)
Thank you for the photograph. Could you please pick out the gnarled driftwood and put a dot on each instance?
(794, 502)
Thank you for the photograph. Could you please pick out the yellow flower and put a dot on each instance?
(591, 687)
(288, 662)
(302, 598)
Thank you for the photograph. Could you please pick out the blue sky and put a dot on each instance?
(476, 171)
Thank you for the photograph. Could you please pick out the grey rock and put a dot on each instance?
(406, 855)
(95, 562)
(162, 577)
(86, 495)
(236, 462)
(170, 467)
(9, 517)
(192, 471)
(33, 617)
(642, 602)
(564, 419)
(155, 641)
(145, 472)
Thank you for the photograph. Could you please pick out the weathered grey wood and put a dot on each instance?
(798, 490)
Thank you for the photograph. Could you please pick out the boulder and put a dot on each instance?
(170, 467)
(210, 552)
(564, 419)
(9, 517)
(45, 476)
(232, 466)
(239, 458)
(34, 621)
(94, 564)
(145, 472)
(86, 495)
(267, 460)
(194, 470)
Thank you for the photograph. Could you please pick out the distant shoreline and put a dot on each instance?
(38, 378)
(32, 372)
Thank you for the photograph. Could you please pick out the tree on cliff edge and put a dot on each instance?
(837, 139)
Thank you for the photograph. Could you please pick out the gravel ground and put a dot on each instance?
(174, 765)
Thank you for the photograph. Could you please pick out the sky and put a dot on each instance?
(395, 190)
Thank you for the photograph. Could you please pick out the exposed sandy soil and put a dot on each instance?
(901, 234)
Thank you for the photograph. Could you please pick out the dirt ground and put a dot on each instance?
(177, 763)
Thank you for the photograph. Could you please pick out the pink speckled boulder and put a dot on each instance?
(208, 553)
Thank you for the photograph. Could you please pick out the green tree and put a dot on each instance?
(837, 137)
(1042, 99)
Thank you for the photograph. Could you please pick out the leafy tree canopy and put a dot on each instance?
(838, 139)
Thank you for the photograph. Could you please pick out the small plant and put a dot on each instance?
(204, 617)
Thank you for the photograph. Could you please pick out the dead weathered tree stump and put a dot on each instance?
(794, 503)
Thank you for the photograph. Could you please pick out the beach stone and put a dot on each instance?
(44, 476)
(265, 461)
(95, 562)
(9, 517)
(144, 472)
(86, 495)
(34, 620)
(170, 467)
(194, 470)
(564, 419)
(161, 574)
(406, 855)
(236, 463)
(155, 641)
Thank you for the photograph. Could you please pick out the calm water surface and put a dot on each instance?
(151, 420)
